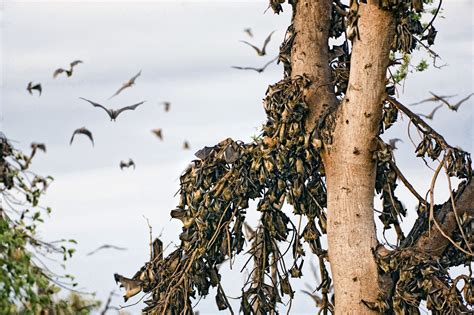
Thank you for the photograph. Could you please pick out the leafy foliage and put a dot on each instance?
(27, 286)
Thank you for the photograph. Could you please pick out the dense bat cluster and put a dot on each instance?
(283, 166)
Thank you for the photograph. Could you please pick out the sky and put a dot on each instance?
(185, 50)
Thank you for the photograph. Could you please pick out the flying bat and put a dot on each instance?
(432, 99)
(32, 87)
(158, 133)
(260, 52)
(431, 115)
(127, 164)
(41, 146)
(453, 107)
(113, 113)
(167, 106)
(127, 84)
(84, 131)
(132, 286)
(186, 145)
(105, 246)
(68, 72)
(259, 70)
(248, 31)
(393, 143)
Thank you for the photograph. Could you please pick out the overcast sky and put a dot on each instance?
(185, 50)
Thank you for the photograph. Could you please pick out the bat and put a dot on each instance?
(432, 99)
(68, 72)
(84, 131)
(113, 113)
(32, 87)
(127, 164)
(158, 133)
(431, 115)
(453, 107)
(248, 31)
(393, 143)
(260, 52)
(105, 246)
(132, 286)
(186, 145)
(259, 70)
(127, 84)
(41, 146)
(167, 106)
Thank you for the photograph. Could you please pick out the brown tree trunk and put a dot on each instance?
(350, 168)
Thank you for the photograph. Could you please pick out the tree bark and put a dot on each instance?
(310, 55)
(350, 168)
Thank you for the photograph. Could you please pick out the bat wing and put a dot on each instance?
(440, 98)
(132, 80)
(204, 152)
(455, 107)
(131, 286)
(83, 131)
(58, 72)
(122, 165)
(75, 63)
(254, 47)
(124, 86)
(28, 88)
(269, 63)
(98, 105)
(130, 163)
(267, 40)
(246, 68)
(130, 107)
(38, 88)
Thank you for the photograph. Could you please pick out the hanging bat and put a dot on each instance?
(132, 286)
(186, 145)
(260, 52)
(248, 31)
(127, 84)
(105, 246)
(113, 113)
(393, 143)
(431, 115)
(127, 164)
(167, 106)
(259, 70)
(158, 133)
(453, 107)
(432, 99)
(32, 87)
(84, 131)
(68, 72)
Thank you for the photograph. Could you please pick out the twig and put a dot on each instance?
(406, 182)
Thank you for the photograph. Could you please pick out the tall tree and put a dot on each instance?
(321, 152)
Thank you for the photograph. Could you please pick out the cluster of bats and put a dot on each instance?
(260, 52)
(112, 113)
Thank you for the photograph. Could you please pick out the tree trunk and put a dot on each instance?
(350, 168)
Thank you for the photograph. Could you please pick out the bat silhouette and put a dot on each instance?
(248, 31)
(431, 115)
(84, 131)
(453, 107)
(41, 146)
(259, 70)
(105, 246)
(127, 164)
(260, 52)
(32, 87)
(158, 133)
(132, 286)
(186, 145)
(113, 113)
(393, 143)
(432, 99)
(167, 106)
(127, 84)
(68, 72)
